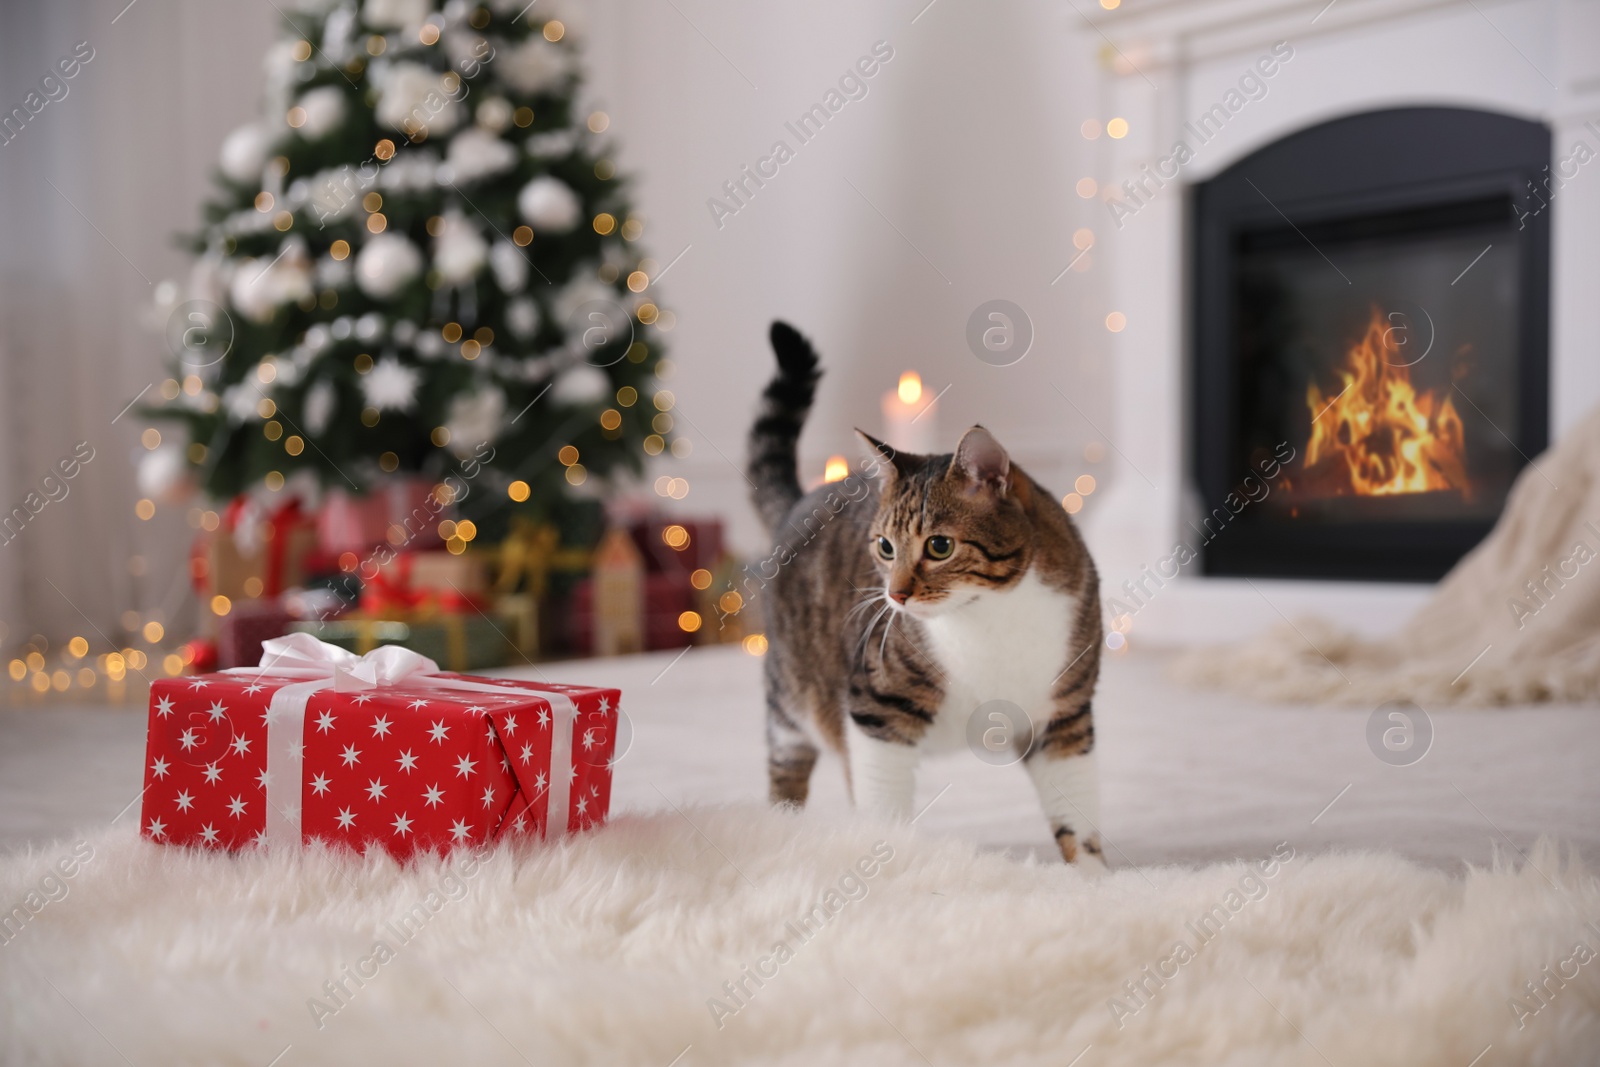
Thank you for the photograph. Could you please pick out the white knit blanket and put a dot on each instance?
(1516, 621)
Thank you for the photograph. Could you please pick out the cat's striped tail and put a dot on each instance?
(784, 404)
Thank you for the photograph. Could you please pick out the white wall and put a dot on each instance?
(967, 142)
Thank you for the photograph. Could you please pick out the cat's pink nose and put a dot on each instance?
(899, 597)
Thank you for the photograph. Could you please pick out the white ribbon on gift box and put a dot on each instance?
(329, 666)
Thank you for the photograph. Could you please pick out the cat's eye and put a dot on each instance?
(940, 546)
(885, 548)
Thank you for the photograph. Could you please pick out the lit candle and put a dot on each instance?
(910, 425)
(837, 470)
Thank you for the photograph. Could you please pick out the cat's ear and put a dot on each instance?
(877, 458)
(981, 462)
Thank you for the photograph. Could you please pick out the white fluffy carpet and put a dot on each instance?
(608, 948)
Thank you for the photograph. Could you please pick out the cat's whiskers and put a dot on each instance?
(866, 602)
(867, 635)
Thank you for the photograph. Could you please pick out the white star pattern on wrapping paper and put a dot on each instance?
(438, 732)
(270, 715)
(540, 783)
(527, 753)
(185, 801)
(199, 683)
(209, 834)
(325, 722)
(213, 774)
(380, 726)
(158, 828)
(511, 725)
(489, 733)
(260, 840)
(241, 744)
(361, 698)
(236, 807)
(488, 797)
(217, 711)
(475, 709)
(520, 822)
(159, 767)
(402, 825)
(465, 767)
(375, 789)
(583, 806)
(459, 830)
(264, 779)
(253, 688)
(407, 761)
(188, 740)
(164, 707)
(605, 705)
(296, 750)
(589, 739)
(433, 796)
(292, 812)
(319, 785)
(417, 703)
(351, 757)
(346, 818)
(544, 718)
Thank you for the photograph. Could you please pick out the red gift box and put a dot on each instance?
(249, 625)
(693, 544)
(380, 750)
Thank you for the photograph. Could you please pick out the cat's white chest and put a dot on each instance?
(1007, 645)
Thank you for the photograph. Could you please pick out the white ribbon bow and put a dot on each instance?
(328, 666)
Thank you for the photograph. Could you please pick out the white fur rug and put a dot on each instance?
(611, 948)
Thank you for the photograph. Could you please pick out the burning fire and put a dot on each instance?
(1378, 436)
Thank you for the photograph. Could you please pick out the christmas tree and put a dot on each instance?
(419, 261)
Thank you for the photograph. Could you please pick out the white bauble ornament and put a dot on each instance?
(325, 110)
(241, 401)
(510, 266)
(578, 292)
(476, 419)
(387, 264)
(338, 35)
(164, 474)
(259, 286)
(245, 152)
(412, 96)
(319, 405)
(494, 114)
(252, 292)
(396, 14)
(475, 153)
(391, 385)
(549, 204)
(459, 251)
(522, 315)
(535, 65)
(581, 384)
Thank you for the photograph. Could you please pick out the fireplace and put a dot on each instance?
(1369, 319)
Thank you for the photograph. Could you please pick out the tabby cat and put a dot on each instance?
(896, 605)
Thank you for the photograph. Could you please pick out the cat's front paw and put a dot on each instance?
(1083, 853)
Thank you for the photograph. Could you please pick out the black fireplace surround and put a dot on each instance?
(1380, 282)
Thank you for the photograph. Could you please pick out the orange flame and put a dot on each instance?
(1378, 436)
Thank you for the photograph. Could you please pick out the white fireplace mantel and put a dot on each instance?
(1165, 62)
